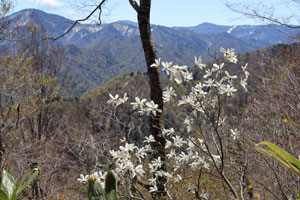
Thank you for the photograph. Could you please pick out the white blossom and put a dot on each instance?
(141, 153)
(168, 132)
(152, 108)
(124, 153)
(123, 167)
(153, 188)
(177, 178)
(83, 179)
(208, 73)
(230, 55)
(191, 145)
(192, 188)
(243, 83)
(177, 72)
(187, 76)
(186, 100)
(198, 62)
(228, 90)
(229, 77)
(149, 139)
(184, 157)
(188, 121)
(204, 195)
(124, 99)
(128, 147)
(114, 100)
(197, 87)
(178, 141)
(168, 94)
(156, 163)
(152, 181)
(138, 171)
(123, 140)
(138, 104)
(148, 147)
(245, 71)
(234, 133)
(199, 162)
(221, 121)
(166, 67)
(168, 144)
(114, 154)
(197, 108)
(217, 68)
(172, 154)
(206, 165)
(156, 64)
(209, 83)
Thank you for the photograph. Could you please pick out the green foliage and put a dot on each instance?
(95, 191)
(8, 188)
(284, 158)
(110, 186)
(109, 192)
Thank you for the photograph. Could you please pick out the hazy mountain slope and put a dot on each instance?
(259, 62)
(272, 34)
(54, 24)
(94, 54)
(114, 55)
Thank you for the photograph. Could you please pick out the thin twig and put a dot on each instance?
(81, 20)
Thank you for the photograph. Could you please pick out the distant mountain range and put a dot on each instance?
(272, 34)
(94, 54)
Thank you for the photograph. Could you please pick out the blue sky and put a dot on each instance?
(163, 12)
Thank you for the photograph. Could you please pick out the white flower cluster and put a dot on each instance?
(185, 152)
(168, 94)
(141, 105)
(129, 160)
(132, 161)
(116, 100)
(198, 62)
(243, 82)
(217, 82)
(229, 55)
(97, 176)
(176, 72)
(125, 164)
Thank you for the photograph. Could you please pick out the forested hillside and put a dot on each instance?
(89, 50)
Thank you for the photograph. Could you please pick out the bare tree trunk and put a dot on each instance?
(2, 150)
(143, 11)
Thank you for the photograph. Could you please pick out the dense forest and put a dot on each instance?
(61, 139)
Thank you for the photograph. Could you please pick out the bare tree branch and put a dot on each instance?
(135, 5)
(253, 12)
(81, 20)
